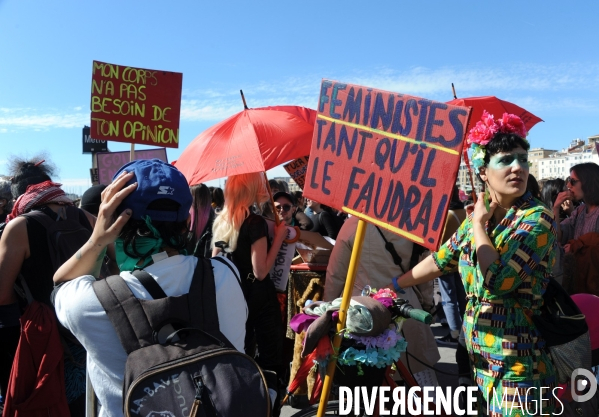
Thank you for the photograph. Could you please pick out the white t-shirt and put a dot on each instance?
(79, 310)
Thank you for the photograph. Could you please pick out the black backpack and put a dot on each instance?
(195, 371)
(67, 233)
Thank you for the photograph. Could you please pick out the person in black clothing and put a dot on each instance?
(5, 198)
(325, 221)
(24, 250)
(218, 199)
(92, 198)
(244, 235)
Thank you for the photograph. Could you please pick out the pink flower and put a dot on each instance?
(510, 123)
(384, 293)
(483, 131)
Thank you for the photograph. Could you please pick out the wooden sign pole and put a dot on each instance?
(347, 292)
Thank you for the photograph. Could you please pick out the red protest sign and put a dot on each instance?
(135, 105)
(387, 158)
(297, 170)
(109, 163)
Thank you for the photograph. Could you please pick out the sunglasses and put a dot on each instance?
(284, 207)
(573, 182)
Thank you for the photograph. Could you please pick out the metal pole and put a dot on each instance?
(245, 106)
(91, 402)
(347, 292)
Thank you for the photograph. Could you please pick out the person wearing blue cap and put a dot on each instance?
(145, 212)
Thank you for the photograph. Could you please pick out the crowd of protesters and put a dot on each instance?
(476, 274)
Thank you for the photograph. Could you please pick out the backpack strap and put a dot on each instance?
(202, 299)
(221, 259)
(123, 309)
(150, 284)
(391, 249)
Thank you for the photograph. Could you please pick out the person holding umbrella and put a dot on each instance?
(244, 235)
(504, 251)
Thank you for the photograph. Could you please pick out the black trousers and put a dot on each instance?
(264, 326)
(9, 339)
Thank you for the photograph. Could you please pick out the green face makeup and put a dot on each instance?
(504, 160)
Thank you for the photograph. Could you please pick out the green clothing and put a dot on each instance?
(506, 350)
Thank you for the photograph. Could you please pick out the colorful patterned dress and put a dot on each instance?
(506, 350)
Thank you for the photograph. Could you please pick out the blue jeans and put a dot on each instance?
(454, 299)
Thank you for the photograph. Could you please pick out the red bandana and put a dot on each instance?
(39, 195)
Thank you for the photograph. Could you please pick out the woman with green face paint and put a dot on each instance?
(504, 252)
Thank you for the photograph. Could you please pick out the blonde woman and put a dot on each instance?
(245, 237)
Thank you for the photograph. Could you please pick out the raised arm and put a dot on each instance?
(559, 200)
(263, 259)
(444, 261)
(88, 259)
(423, 272)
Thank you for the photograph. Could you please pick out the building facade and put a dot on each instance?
(463, 180)
(536, 154)
(558, 164)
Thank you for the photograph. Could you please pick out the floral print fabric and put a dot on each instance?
(506, 350)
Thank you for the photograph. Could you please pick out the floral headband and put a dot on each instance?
(481, 134)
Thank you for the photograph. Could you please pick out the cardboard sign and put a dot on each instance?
(387, 158)
(297, 170)
(135, 105)
(109, 163)
(92, 145)
(279, 273)
(314, 248)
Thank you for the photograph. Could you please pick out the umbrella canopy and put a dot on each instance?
(496, 107)
(253, 140)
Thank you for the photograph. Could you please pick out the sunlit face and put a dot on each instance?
(507, 174)
(284, 209)
(575, 186)
(314, 205)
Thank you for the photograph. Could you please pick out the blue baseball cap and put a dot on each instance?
(156, 180)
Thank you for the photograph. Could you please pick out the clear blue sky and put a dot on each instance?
(542, 55)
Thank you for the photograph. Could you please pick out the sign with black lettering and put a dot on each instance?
(390, 159)
(297, 170)
(92, 145)
(135, 105)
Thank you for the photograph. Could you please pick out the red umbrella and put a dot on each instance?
(253, 140)
(496, 107)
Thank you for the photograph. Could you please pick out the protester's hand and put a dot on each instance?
(562, 198)
(280, 233)
(567, 248)
(481, 214)
(567, 206)
(108, 226)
